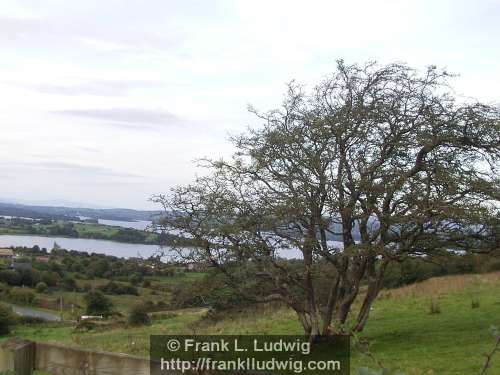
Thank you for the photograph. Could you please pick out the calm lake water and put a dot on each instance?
(118, 249)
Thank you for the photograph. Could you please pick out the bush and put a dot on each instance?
(84, 326)
(29, 320)
(98, 304)
(68, 283)
(41, 287)
(138, 316)
(21, 296)
(118, 289)
(6, 320)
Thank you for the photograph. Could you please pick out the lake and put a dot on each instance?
(118, 249)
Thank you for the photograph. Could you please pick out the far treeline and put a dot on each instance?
(71, 213)
(85, 229)
(387, 151)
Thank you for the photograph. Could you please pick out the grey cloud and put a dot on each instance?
(85, 169)
(128, 117)
(65, 168)
(98, 88)
(53, 32)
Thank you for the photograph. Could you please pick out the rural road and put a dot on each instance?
(26, 311)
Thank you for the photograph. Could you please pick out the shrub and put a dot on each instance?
(84, 326)
(68, 283)
(41, 287)
(22, 296)
(98, 304)
(29, 320)
(136, 278)
(474, 304)
(138, 316)
(118, 289)
(6, 320)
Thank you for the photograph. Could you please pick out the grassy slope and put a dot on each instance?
(401, 330)
(85, 230)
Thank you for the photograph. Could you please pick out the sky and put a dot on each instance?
(105, 103)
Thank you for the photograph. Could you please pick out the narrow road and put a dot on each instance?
(27, 311)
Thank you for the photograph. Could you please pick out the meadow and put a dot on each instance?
(438, 326)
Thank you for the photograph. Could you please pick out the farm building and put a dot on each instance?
(6, 254)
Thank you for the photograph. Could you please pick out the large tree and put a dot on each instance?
(383, 158)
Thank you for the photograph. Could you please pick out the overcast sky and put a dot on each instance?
(108, 102)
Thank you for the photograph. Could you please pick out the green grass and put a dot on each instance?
(178, 278)
(401, 331)
(87, 229)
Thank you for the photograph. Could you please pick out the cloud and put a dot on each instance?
(128, 117)
(68, 169)
(85, 169)
(92, 32)
(97, 88)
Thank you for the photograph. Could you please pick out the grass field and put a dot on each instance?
(85, 230)
(401, 330)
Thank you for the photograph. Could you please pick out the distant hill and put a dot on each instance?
(68, 213)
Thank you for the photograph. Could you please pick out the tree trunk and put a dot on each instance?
(350, 286)
(330, 306)
(374, 286)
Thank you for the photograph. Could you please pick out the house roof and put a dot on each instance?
(6, 252)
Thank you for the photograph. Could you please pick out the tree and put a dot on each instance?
(6, 320)
(41, 287)
(67, 283)
(98, 304)
(381, 158)
(138, 316)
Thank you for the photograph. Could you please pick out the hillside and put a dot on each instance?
(402, 332)
(51, 212)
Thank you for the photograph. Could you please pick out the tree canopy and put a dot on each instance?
(385, 159)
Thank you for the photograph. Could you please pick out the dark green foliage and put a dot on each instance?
(118, 289)
(29, 320)
(418, 269)
(50, 278)
(41, 287)
(65, 229)
(138, 316)
(98, 304)
(6, 320)
(68, 283)
(10, 277)
(136, 278)
(21, 296)
(129, 235)
(85, 326)
(213, 291)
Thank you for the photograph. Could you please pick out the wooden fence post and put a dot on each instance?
(17, 355)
